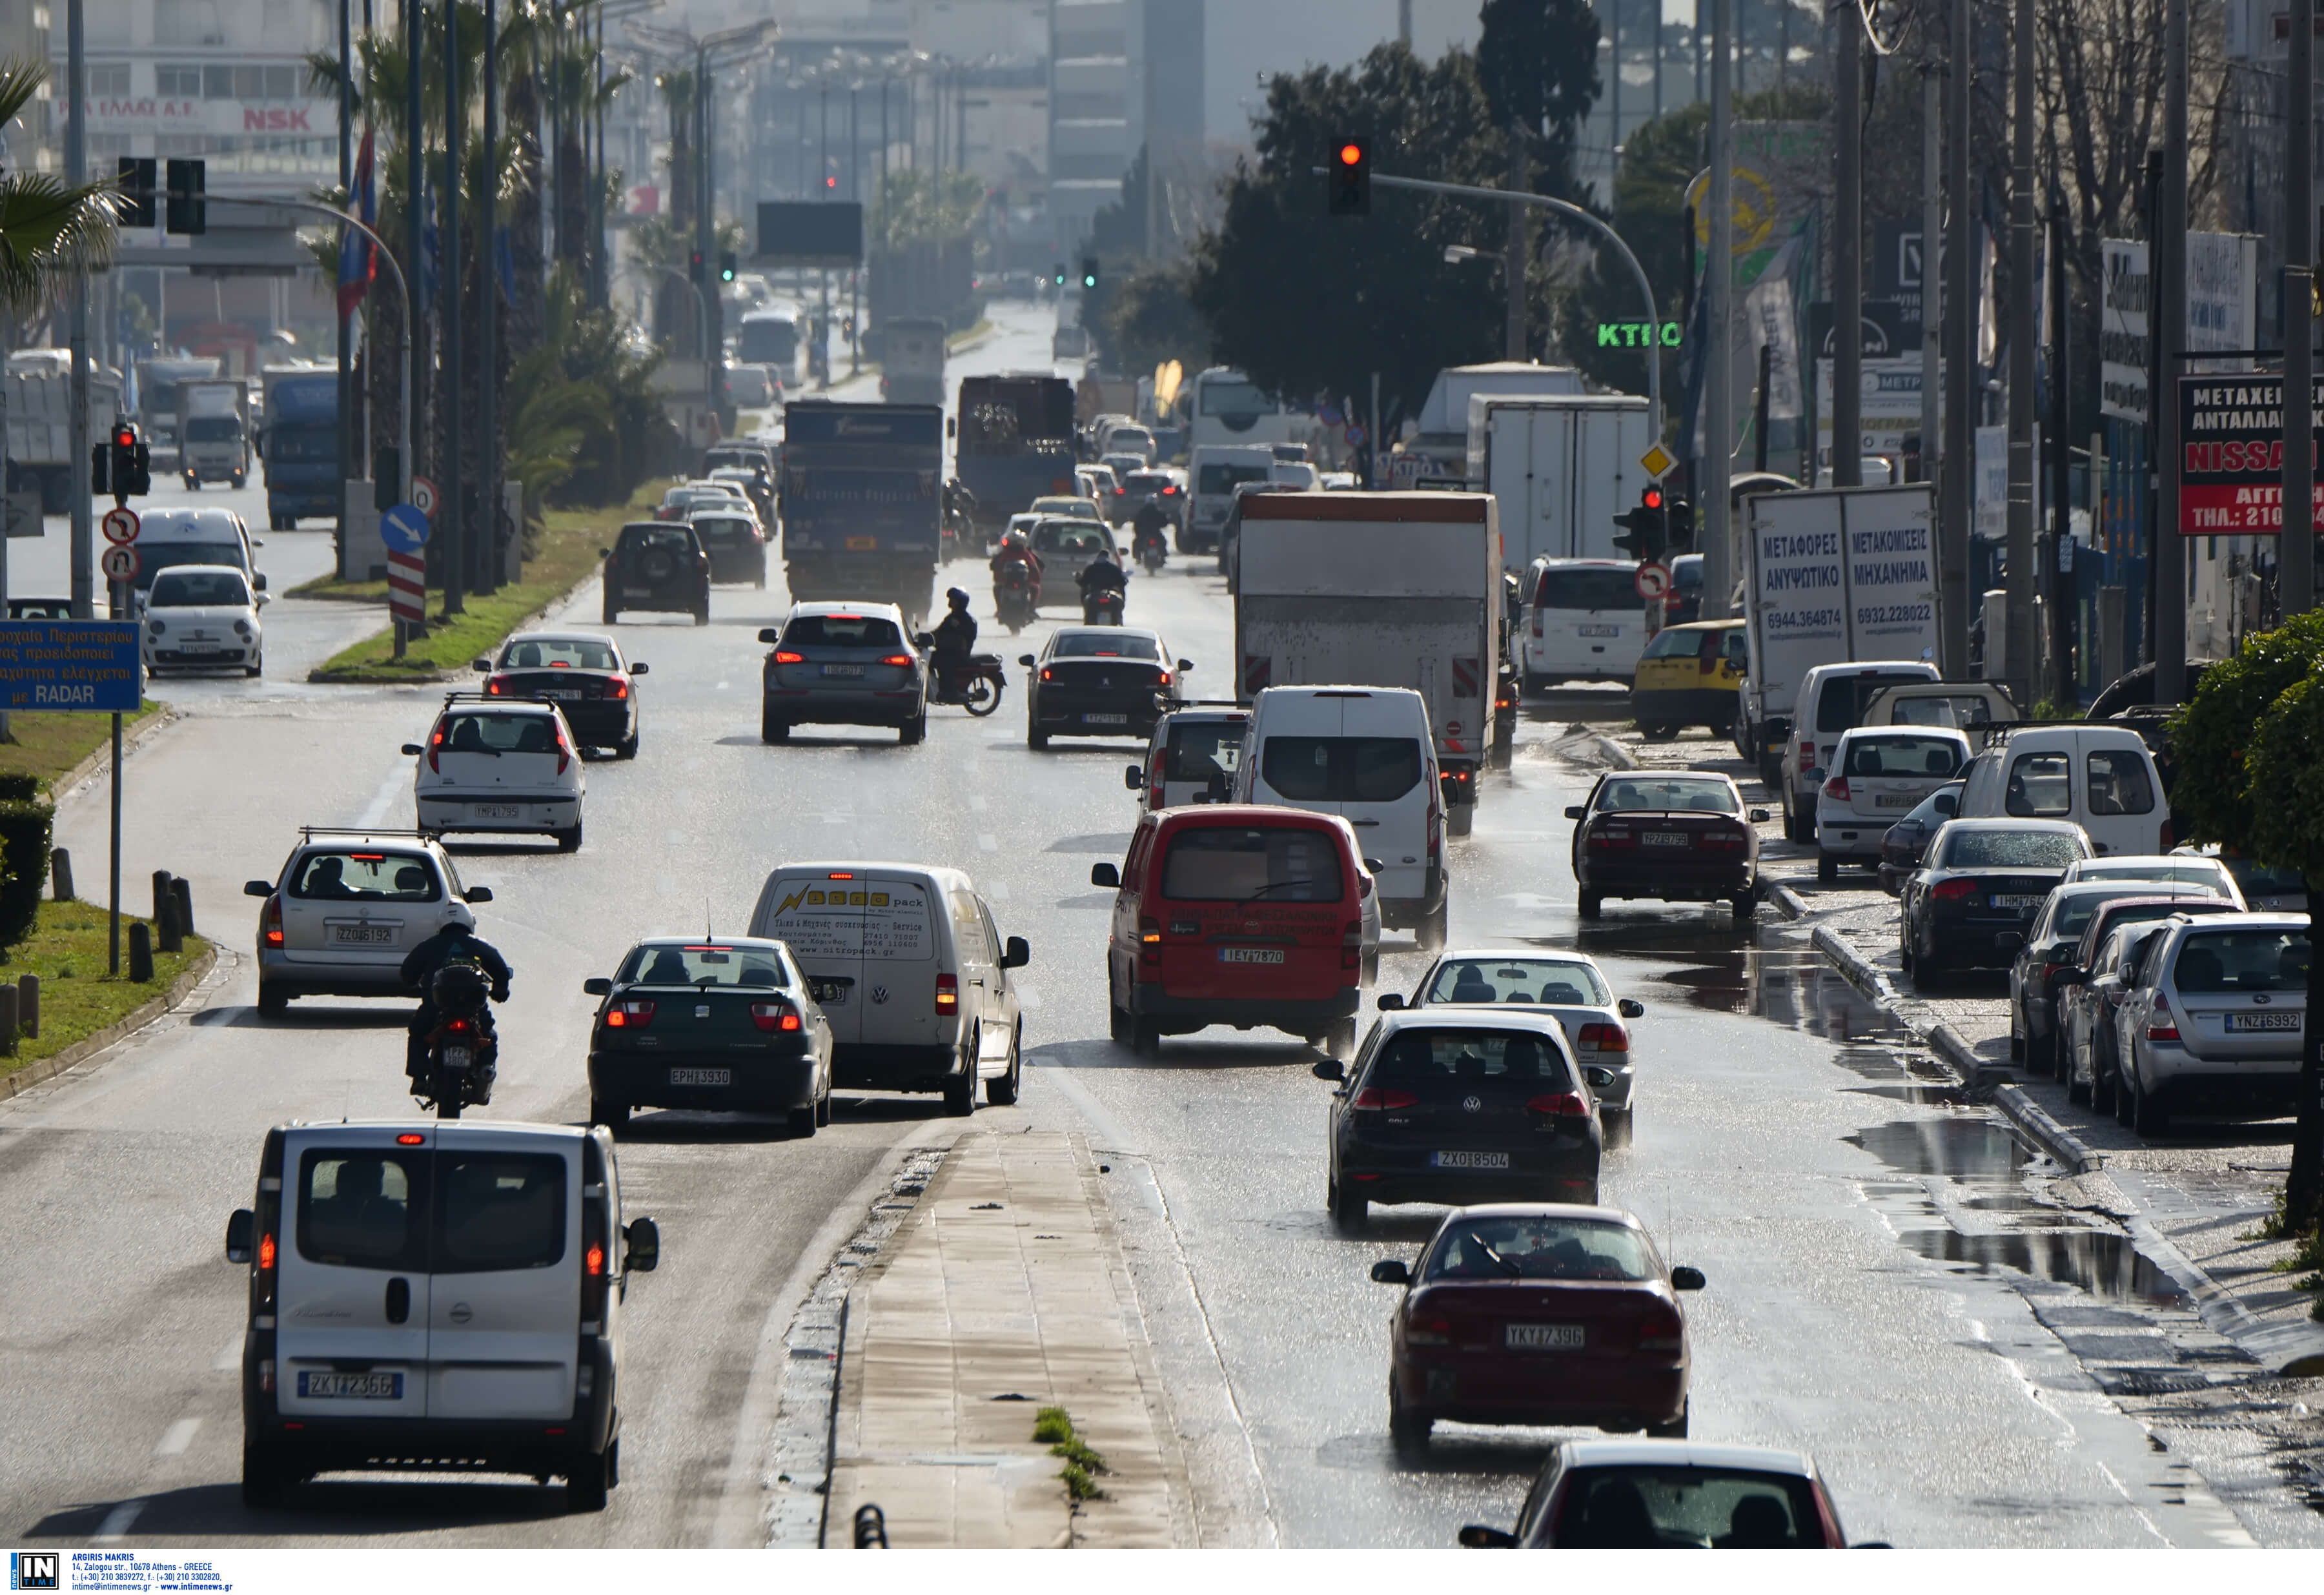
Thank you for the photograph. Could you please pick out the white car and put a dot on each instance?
(2183, 869)
(347, 908)
(204, 617)
(1877, 776)
(498, 765)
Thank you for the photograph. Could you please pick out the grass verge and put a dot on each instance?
(564, 554)
(50, 745)
(68, 950)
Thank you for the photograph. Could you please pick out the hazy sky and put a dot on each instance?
(1244, 38)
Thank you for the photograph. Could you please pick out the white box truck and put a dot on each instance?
(1834, 575)
(1435, 453)
(1561, 468)
(1378, 589)
(214, 432)
(40, 421)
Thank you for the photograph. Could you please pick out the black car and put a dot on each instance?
(736, 546)
(584, 676)
(1971, 905)
(1099, 681)
(40, 609)
(723, 1023)
(659, 565)
(1904, 842)
(1461, 1108)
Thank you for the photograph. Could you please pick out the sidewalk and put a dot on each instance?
(1006, 1292)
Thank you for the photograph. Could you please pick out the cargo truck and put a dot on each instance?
(300, 443)
(860, 503)
(912, 361)
(40, 421)
(157, 400)
(1380, 589)
(1014, 444)
(1560, 468)
(214, 432)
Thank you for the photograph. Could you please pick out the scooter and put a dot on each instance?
(1103, 607)
(975, 686)
(1013, 598)
(1153, 550)
(463, 1049)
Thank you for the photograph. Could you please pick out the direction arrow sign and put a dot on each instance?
(119, 563)
(423, 496)
(404, 528)
(1658, 461)
(120, 525)
(1653, 581)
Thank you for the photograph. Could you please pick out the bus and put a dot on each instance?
(770, 337)
(1229, 407)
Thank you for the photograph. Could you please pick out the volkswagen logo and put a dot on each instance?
(1473, 1104)
(879, 994)
(2261, 997)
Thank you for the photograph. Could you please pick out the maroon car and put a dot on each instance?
(1682, 836)
(1538, 1313)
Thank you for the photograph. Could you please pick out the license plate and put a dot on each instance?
(702, 1077)
(636, 592)
(458, 1057)
(2263, 1021)
(2018, 900)
(200, 652)
(842, 670)
(1893, 800)
(1250, 955)
(1467, 1160)
(863, 545)
(1542, 1337)
(363, 935)
(493, 811)
(1598, 630)
(571, 695)
(350, 1387)
(1105, 720)
(1663, 838)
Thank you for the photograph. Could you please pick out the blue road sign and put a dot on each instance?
(404, 529)
(78, 666)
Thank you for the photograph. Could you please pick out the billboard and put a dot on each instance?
(2231, 475)
(810, 233)
(2222, 282)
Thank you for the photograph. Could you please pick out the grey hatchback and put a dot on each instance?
(843, 664)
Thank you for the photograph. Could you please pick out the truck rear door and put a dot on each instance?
(504, 1302)
(351, 1274)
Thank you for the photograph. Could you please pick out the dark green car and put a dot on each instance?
(727, 1024)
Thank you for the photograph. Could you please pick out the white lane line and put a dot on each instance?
(987, 841)
(1029, 997)
(177, 1437)
(395, 785)
(997, 891)
(231, 1357)
(976, 803)
(722, 686)
(117, 1522)
(676, 838)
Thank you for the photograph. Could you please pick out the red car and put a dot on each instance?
(1681, 835)
(1538, 1313)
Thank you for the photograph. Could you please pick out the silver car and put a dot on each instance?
(347, 907)
(2214, 1012)
(843, 664)
(1066, 549)
(1565, 984)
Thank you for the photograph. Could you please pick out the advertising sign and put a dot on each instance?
(2231, 479)
(2222, 296)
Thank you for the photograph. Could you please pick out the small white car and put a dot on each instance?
(2181, 869)
(204, 617)
(497, 765)
(1877, 776)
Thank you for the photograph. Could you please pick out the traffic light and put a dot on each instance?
(137, 173)
(1057, 276)
(1351, 180)
(726, 265)
(186, 212)
(1678, 517)
(1644, 534)
(1089, 273)
(118, 466)
(694, 265)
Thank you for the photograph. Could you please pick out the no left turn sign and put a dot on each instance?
(120, 526)
(1653, 581)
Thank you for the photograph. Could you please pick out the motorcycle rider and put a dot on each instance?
(457, 943)
(954, 640)
(1015, 553)
(1102, 574)
(1147, 526)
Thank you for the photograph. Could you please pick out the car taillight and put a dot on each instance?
(1837, 788)
(495, 686)
(617, 687)
(266, 1254)
(594, 1279)
(947, 995)
(2050, 970)
(784, 655)
(631, 1013)
(1352, 946)
(1162, 678)
(1428, 1332)
(1665, 1331)
(896, 659)
(1604, 1036)
(434, 747)
(1563, 1104)
(270, 921)
(1954, 890)
(1721, 838)
(1045, 673)
(1149, 937)
(2161, 1026)
(564, 751)
(1536, 625)
(774, 1017)
(1612, 839)
(2164, 845)
(1373, 1099)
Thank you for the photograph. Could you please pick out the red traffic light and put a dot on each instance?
(1351, 154)
(831, 182)
(1652, 498)
(125, 438)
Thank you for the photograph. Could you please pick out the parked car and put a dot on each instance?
(1956, 705)
(1679, 837)
(1099, 681)
(657, 565)
(2090, 989)
(584, 675)
(1970, 904)
(499, 766)
(2214, 1016)
(843, 664)
(1689, 675)
(1538, 1313)
(1832, 699)
(345, 908)
(1878, 775)
(2049, 947)
(1904, 842)
(1191, 757)
(1627, 1495)
(2101, 777)
(2171, 868)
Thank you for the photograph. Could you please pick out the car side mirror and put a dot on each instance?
(598, 985)
(1105, 875)
(1391, 1003)
(1184, 666)
(1025, 660)
(241, 1233)
(1758, 816)
(1015, 954)
(477, 894)
(1134, 777)
(412, 749)
(605, 553)
(484, 666)
(924, 639)
(1477, 1536)
(1391, 1271)
(1573, 811)
(637, 669)
(258, 578)
(645, 1246)
(1330, 1069)
(258, 889)
(1629, 1007)
(1599, 1076)
(1684, 1279)
(769, 636)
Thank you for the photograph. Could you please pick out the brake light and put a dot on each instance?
(436, 746)
(1612, 839)
(784, 655)
(266, 1254)
(1428, 1332)
(1149, 937)
(1837, 788)
(2164, 845)
(1665, 1331)
(1807, 755)
(947, 995)
(564, 751)
(617, 687)
(774, 1016)
(593, 1262)
(411, 1138)
(1163, 679)
(271, 921)
(1719, 838)
(2161, 1026)
(1536, 625)
(1561, 1105)
(495, 686)
(1045, 673)
(1352, 946)
(631, 1013)
(458, 1027)
(1954, 890)
(1372, 1099)
(1604, 1036)
(896, 659)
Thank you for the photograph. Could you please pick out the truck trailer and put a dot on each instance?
(860, 503)
(300, 443)
(40, 421)
(1560, 468)
(214, 432)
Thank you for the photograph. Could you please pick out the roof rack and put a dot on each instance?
(496, 697)
(1994, 733)
(307, 832)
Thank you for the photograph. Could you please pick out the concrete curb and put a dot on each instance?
(2069, 1149)
(128, 1025)
(1788, 903)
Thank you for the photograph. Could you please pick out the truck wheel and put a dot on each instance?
(1458, 817)
(1434, 926)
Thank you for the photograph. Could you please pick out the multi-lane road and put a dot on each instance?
(1855, 1222)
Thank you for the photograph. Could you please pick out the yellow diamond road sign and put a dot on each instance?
(1658, 461)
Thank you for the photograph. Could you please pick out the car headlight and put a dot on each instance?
(154, 629)
(241, 629)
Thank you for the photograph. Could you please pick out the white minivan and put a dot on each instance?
(1832, 698)
(2100, 777)
(906, 963)
(1214, 471)
(195, 535)
(428, 1296)
(1584, 622)
(1365, 753)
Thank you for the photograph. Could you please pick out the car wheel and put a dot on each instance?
(1616, 1121)
(587, 1484)
(2105, 1099)
(569, 841)
(1588, 905)
(2077, 1088)
(701, 615)
(913, 729)
(2149, 1114)
(257, 667)
(2017, 1038)
(1408, 1431)
(1035, 737)
(1826, 868)
(627, 748)
(1435, 926)
(1001, 1091)
(772, 728)
(2125, 1104)
(264, 1480)
(2041, 1054)
(802, 1122)
(1798, 827)
(273, 1001)
(1674, 1430)
(613, 1116)
(960, 1091)
(1145, 1037)
(1348, 1210)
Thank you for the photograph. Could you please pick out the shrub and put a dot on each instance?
(24, 828)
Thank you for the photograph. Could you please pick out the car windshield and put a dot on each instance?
(702, 963)
(1635, 1507)
(1240, 864)
(1540, 1246)
(496, 734)
(367, 876)
(1552, 982)
(1105, 644)
(1589, 586)
(842, 630)
(559, 653)
(2011, 849)
(196, 589)
(2221, 960)
(1223, 478)
(1918, 756)
(213, 429)
(1667, 792)
(1201, 748)
(1341, 768)
(152, 558)
(1958, 712)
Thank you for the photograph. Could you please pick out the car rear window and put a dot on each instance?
(723, 529)
(2143, 913)
(498, 1211)
(1201, 749)
(1450, 1056)
(2118, 783)
(361, 1208)
(1532, 1247)
(1219, 479)
(1959, 712)
(1341, 768)
(1588, 587)
(1107, 644)
(1240, 864)
(1667, 792)
(842, 630)
(1640, 1508)
(1550, 981)
(2219, 960)
(191, 589)
(1071, 537)
(1903, 756)
(368, 877)
(641, 539)
(1839, 705)
(2257, 880)
(2041, 785)
(549, 653)
(156, 557)
(496, 734)
(1147, 481)
(2010, 850)
(700, 964)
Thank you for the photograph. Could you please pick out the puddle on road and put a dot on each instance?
(2105, 1266)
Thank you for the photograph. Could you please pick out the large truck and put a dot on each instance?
(1013, 442)
(1833, 576)
(860, 502)
(1436, 454)
(1380, 589)
(40, 421)
(912, 361)
(157, 377)
(300, 443)
(1560, 468)
(214, 432)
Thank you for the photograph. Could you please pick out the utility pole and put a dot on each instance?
(349, 452)
(415, 342)
(1614, 92)
(1961, 312)
(1712, 508)
(83, 551)
(1403, 22)
(2064, 615)
(2295, 570)
(486, 545)
(2167, 271)
(1933, 221)
(1847, 253)
(1520, 253)
(450, 283)
(2024, 303)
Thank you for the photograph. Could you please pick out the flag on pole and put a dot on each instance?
(358, 265)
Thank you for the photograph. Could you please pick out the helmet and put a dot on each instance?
(1013, 539)
(956, 598)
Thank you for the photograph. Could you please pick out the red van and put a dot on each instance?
(1240, 914)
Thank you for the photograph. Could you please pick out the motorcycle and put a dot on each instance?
(1153, 549)
(975, 685)
(1101, 606)
(1013, 598)
(463, 1049)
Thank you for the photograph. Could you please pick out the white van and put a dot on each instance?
(1365, 753)
(1584, 622)
(905, 962)
(1213, 472)
(192, 535)
(434, 1296)
(2100, 777)
(1832, 698)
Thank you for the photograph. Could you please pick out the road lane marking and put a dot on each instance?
(230, 1358)
(382, 800)
(117, 1521)
(177, 1437)
(1029, 996)
(987, 841)
(976, 803)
